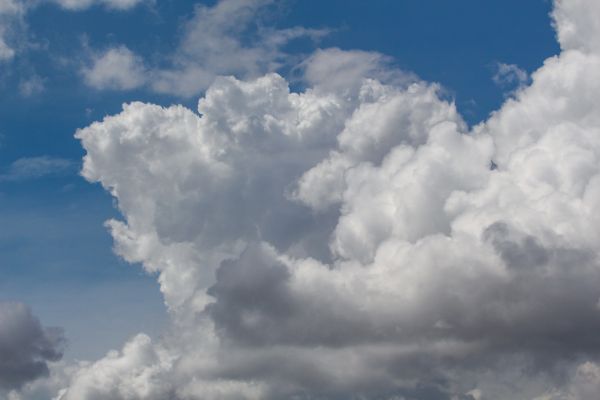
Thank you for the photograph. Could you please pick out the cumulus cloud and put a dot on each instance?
(27, 168)
(26, 348)
(130, 374)
(357, 240)
(110, 4)
(116, 68)
(577, 25)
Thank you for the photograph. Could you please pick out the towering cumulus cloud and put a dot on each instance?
(357, 240)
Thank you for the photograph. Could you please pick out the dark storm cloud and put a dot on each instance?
(252, 297)
(26, 347)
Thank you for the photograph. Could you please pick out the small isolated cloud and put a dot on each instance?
(336, 69)
(26, 347)
(6, 52)
(27, 168)
(110, 4)
(510, 77)
(31, 86)
(11, 24)
(118, 376)
(116, 68)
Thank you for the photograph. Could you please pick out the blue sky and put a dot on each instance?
(53, 235)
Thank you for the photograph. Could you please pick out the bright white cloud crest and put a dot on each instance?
(362, 242)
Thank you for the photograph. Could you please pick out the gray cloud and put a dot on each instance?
(26, 347)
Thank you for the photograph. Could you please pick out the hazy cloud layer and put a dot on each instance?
(356, 240)
(26, 347)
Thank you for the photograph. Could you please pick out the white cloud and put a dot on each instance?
(577, 25)
(130, 374)
(357, 243)
(37, 167)
(510, 76)
(224, 39)
(110, 4)
(6, 52)
(338, 70)
(13, 27)
(31, 86)
(11, 15)
(116, 68)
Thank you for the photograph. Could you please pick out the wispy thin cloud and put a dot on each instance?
(224, 39)
(28, 168)
(510, 77)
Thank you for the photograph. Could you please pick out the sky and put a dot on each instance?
(262, 199)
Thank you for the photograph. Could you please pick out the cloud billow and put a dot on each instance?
(352, 242)
(26, 348)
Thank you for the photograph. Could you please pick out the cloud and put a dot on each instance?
(586, 382)
(13, 15)
(227, 38)
(26, 348)
(27, 168)
(335, 69)
(510, 76)
(6, 52)
(119, 376)
(11, 25)
(116, 68)
(339, 243)
(31, 86)
(110, 4)
(577, 25)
